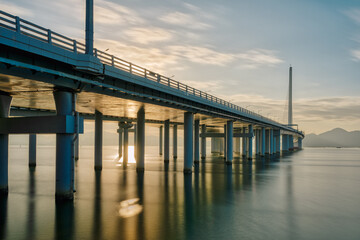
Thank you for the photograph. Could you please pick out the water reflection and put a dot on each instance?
(3, 216)
(64, 220)
(30, 228)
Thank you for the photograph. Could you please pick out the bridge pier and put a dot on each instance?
(32, 150)
(237, 145)
(284, 143)
(300, 143)
(225, 143)
(257, 142)
(160, 140)
(203, 142)
(278, 141)
(98, 140)
(120, 132)
(267, 139)
(140, 140)
(250, 139)
(221, 145)
(167, 141)
(64, 147)
(229, 142)
(126, 147)
(244, 148)
(291, 143)
(5, 102)
(263, 138)
(135, 141)
(175, 142)
(197, 144)
(76, 146)
(188, 142)
(271, 150)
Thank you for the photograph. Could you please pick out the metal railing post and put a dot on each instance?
(17, 23)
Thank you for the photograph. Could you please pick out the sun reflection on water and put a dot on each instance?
(131, 156)
(129, 208)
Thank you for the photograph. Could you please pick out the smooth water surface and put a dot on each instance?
(310, 194)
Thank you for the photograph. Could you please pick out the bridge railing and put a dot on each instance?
(48, 36)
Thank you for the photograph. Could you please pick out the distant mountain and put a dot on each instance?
(337, 137)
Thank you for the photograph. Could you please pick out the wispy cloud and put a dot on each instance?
(107, 12)
(259, 57)
(15, 9)
(184, 20)
(147, 35)
(354, 14)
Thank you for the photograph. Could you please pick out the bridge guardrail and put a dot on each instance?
(30, 29)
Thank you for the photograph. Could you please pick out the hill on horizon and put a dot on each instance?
(336, 137)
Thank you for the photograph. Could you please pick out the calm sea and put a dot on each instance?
(310, 194)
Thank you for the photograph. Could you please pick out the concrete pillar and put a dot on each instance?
(135, 142)
(203, 142)
(225, 143)
(188, 141)
(32, 150)
(291, 143)
(263, 142)
(250, 139)
(284, 143)
(271, 141)
(98, 140)
(237, 145)
(244, 150)
(160, 140)
(140, 141)
(175, 142)
(213, 147)
(300, 143)
(267, 141)
(196, 141)
(5, 102)
(64, 147)
(229, 142)
(126, 147)
(120, 131)
(278, 141)
(221, 145)
(76, 146)
(257, 145)
(167, 141)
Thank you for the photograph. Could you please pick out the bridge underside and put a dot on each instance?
(33, 94)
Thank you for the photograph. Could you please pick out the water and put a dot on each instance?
(311, 194)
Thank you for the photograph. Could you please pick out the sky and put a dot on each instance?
(237, 50)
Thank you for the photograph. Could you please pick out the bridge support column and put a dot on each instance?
(175, 142)
(32, 150)
(267, 143)
(76, 146)
(135, 141)
(225, 142)
(291, 143)
(278, 141)
(263, 136)
(250, 139)
(120, 131)
(213, 147)
(64, 147)
(167, 141)
(188, 141)
(237, 145)
(300, 143)
(229, 142)
(244, 150)
(5, 102)
(203, 142)
(221, 145)
(98, 140)
(196, 139)
(257, 145)
(160, 140)
(271, 141)
(140, 141)
(126, 147)
(284, 143)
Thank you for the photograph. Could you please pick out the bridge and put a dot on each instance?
(50, 83)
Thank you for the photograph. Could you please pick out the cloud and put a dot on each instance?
(354, 14)
(184, 20)
(259, 57)
(107, 12)
(201, 55)
(15, 9)
(148, 35)
(355, 54)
